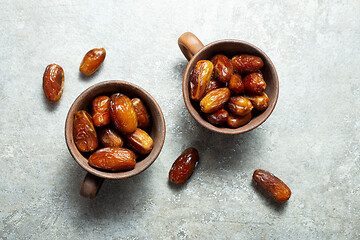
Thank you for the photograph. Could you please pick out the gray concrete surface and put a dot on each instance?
(311, 141)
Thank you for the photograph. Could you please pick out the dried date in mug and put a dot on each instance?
(101, 111)
(85, 135)
(123, 114)
(228, 90)
(113, 159)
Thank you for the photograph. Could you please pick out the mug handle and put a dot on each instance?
(189, 44)
(91, 186)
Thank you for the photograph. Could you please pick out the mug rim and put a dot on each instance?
(79, 158)
(195, 114)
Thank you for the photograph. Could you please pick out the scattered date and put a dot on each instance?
(184, 166)
(272, 185)
(92, 61)
(53, 82)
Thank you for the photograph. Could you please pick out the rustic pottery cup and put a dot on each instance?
(194, 50)
(95, 177)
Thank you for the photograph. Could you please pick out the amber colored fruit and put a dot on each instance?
(92, 61)
(85, 136)
(234, 121)
(122, 113)
(214, 84)
(276, 188)
(236, 84)
(113, 158)
(254, 83)
(140, 141)
(184, 166)
(222, 67)
(109, 137)
(214, 100)
(101, 111)
(245, 63)
(218, 117)
(259, 101)
(239, 105)
(200, 78)
(53, 82)
(142, 114)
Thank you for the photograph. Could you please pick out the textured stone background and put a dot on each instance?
(311, 140)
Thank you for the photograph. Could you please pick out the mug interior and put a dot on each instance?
(231, 48)
(84, 102)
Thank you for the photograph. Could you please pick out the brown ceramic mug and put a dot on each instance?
(194, 50)
(95, 177)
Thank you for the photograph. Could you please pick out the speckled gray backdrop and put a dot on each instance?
(311, 140)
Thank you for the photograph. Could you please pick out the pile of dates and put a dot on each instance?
(116, 121)
(229, 90)
(53, 79)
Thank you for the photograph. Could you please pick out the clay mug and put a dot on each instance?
(95, 177)
(194, 50)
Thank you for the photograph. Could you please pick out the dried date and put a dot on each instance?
(184, 166)
(122, 113)
(222, 67)
(218, 117)
(143, 116)
(101, 111)
(254, 83)
(200, 78)
(113, 159)
(85, 136)
(140, 141)
(276, 188)
(236, 84)
(214, 100)
(259, 101)
(214, 84)
(92, 61)
(239, 105)
(234, 121)
(53, 82)
(246, 63)
(109, 137)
